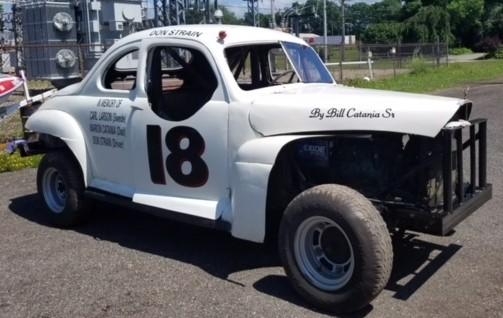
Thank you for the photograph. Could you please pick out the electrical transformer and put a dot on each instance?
(50, 40)
(64, 39)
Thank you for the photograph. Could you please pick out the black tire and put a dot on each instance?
(366, 244)
(59, 171)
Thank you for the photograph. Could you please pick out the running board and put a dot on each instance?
(115, 199)
(205, 209)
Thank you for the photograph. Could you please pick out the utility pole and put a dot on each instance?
(343, 41)
(325, 39)
(273, 18)
(207, 12)
(253, 10)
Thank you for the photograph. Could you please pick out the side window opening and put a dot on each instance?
(180, 82)
(121, 74)
(257, 66)
(281, 70)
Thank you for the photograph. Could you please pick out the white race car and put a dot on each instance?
(245, 130)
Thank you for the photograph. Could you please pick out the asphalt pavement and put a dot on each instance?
(125, 264)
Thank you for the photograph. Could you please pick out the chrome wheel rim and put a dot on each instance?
(54, 190)
(324, 253)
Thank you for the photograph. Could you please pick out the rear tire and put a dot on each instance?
(335, 248)
(61, 187)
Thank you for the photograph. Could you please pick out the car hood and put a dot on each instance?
(306, 108)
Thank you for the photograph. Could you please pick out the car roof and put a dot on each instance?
(208, 34)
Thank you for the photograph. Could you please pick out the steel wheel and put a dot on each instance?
(324, 253)
(335, 248)
(54, 190)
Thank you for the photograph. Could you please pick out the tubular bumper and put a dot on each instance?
(462, 195)
(461, 198)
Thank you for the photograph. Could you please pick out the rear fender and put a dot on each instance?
(63, 126)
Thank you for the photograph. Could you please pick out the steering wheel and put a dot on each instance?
(280, 75)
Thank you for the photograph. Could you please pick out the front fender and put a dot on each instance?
(62, 125)
(249, 180)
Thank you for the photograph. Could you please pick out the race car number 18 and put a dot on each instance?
(179, 156)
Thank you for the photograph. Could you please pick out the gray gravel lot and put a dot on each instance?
(125, 264)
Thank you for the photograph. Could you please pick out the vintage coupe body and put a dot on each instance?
(244, 130)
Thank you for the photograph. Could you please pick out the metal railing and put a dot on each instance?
(361, 60)
(383, 60)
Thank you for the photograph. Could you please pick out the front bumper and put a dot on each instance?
(461, 195)
(462, 201)
(446, 224)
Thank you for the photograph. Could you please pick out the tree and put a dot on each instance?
(229, 16)
(437, 3)
(311, 16)
(466, 20)
(194, 16)
(313, 19)
(494, 22)
(386, 11)
(1, 20)
(263, 20)
(386, 33)
(429, 24)
(410, 8)
(359, 17)
(458, 21)
(490, 4)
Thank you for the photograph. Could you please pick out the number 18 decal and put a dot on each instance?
(179, 156)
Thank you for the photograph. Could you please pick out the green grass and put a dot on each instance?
(434, 79)
(460, 51)
(40, 85)
(15, 162)
(351, 53)
(11, 128)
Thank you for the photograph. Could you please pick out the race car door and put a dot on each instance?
(103, 109)
(181, 132)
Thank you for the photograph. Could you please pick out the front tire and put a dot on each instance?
(335, 248)
(61, 187)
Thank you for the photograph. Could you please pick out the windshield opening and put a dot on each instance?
(263, 65)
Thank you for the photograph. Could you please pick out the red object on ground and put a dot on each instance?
(9, 84)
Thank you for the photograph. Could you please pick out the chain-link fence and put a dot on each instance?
(375, 61)
(47, 61)
(372, 61)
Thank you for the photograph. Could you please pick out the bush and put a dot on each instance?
(499, 54)
(419, 66)
(16, 162)
(460, 51)
(489, 45)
